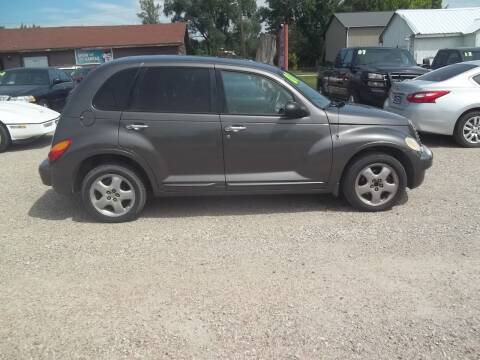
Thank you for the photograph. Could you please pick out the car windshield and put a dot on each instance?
(446, 72)
(383, 56)
(24, 77)
(311, 94)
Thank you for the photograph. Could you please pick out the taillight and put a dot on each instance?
(425, 97)
(59, 149)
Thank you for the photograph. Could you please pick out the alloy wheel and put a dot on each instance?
(112, 195)
(471, 130)
(377, 184)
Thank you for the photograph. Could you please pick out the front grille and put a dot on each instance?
(398, 77)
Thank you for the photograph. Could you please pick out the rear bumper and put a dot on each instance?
(45, 172)
(420, 166)
(55, 177)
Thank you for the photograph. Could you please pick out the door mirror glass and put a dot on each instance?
(294, 110)
(56, 81)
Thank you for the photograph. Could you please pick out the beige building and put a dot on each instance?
(354, 29)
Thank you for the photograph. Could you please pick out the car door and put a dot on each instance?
(56, 91)
(263, 149)
(67, 86)
(172, 123)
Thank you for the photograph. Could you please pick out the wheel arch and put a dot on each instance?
(108, 158)
(385, 149)
(477, 108)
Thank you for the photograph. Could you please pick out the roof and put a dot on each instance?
(76, 37)
(442, 21)
(364, 19)
(193, 60)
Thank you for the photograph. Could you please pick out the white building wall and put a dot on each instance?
(476, 39)
(397, 34)
(428, 46)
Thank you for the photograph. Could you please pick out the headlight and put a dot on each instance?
(30, 99)
(374, 76)
(413, 144)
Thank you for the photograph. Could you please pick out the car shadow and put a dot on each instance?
(52, 206)
(33, 144)
(438, 141)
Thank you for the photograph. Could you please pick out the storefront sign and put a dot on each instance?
(93, 56)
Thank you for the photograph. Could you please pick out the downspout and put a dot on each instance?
(348, 30)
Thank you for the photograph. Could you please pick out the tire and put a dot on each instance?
(103, 185)
(5, 140)
(467, 130)
(377, 195)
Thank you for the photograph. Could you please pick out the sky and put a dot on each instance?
(95, 12)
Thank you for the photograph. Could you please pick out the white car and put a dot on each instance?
(445, 101)
(22, 121)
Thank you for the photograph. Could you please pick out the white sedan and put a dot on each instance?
(445, 101)
(22, 121)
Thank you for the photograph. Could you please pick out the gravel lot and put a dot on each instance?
(284, 277)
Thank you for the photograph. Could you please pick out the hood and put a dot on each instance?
(353, 114)
(12, 112)
(389, 68)
(23, 90)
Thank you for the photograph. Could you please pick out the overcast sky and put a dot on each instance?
(95, 12)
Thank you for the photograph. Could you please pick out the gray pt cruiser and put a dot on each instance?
(181, 125)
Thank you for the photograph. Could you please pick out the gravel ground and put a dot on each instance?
(284, 277)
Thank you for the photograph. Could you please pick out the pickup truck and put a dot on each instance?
(446, 57)
(365, 74)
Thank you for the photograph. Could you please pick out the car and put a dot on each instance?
(79, 74)
(446, 57)
(47, 87)
(445, 101)
(182, 125)
(364, 74)
(21, 121)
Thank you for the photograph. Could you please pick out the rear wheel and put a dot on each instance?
(467, 131)
(113, 193)
(375, 182)
(5, 140)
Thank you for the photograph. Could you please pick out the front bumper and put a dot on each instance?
(420, 166)
(20, 132)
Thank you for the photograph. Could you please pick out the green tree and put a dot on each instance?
(385, 5)
(150, 13)
(216, 24)
(26, 26)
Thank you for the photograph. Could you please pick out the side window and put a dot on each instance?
(249, 94)
(347, 61)
(477, 79)
(115, 92)
(339, 58)
(454, 57)
(440, 60)
(174, 90)
(63, 76)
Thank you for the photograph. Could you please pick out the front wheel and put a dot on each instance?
(467, 131)
(375, 182)
(5, 140)
(113, 193)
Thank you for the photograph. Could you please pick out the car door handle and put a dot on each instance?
(235, 128)
(136, 127)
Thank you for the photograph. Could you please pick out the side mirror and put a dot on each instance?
(56, 81)
(294, 111)
(427, 63)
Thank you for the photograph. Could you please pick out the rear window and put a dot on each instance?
(173, 90)
(115, 92)
(446, 72)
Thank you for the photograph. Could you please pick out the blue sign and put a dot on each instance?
(93, 56)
